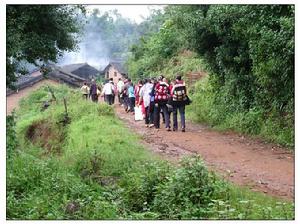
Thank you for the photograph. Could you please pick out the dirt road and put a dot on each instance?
(244, 161)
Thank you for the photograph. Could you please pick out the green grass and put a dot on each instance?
(100, 171)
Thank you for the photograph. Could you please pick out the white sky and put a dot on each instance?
(133, 12)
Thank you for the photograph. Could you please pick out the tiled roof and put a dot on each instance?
(83, 70)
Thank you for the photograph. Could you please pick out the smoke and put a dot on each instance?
(92, 50)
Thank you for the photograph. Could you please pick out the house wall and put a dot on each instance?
(112, 72)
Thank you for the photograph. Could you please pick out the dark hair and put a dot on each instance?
(84, 83)
(129, 79)
(111, 79)
(160, 77)
(178, 77)
(119, 79)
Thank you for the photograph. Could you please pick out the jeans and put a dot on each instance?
(108, 99)
(126, 102)
(120, 98)
(131, 103)
(182, 116)
(149, 115)
(157, 109)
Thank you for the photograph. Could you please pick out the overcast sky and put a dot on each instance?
(134, 12)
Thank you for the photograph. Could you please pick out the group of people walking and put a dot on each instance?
(156, 98)
(94, 91)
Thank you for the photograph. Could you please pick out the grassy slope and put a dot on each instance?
(95, 168)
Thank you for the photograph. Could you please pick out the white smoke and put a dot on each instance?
(92, 50)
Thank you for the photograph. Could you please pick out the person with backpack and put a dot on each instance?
(161, 99)
(85, 90)
(179, 99)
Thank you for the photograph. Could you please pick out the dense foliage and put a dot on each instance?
(248, 51)
(11, 137)
(37, 34)
(85, 173)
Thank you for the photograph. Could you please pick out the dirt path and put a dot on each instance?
(246, 162)
(12, 100)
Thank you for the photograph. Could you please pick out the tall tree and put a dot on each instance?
(38, 34)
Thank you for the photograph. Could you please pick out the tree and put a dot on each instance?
(38, 34)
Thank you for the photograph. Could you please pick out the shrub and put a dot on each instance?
(187, 191)
(140, 188)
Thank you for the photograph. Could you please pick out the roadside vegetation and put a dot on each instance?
(93, 167)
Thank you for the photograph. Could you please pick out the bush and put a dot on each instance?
(187, 191)
(140, 188)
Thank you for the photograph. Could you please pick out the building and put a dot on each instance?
(114, 70)
(82, 70)
(73, 75)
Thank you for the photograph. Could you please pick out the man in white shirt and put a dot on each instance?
(145, 97)
(107, 91)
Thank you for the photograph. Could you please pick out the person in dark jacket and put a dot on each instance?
(161, 99)
(179, 98)
(151, 107)
(93, 91)
(126, 102)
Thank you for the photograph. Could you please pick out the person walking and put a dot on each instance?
(93, 91)
(107, 91)
(98, 92)
(85, 89)
(120, 85)
(137, 90)
(179, 98)
(161, 99)
(126, 104)
(115, 91)
(145, 97)
(151, 108)
(131, 97)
